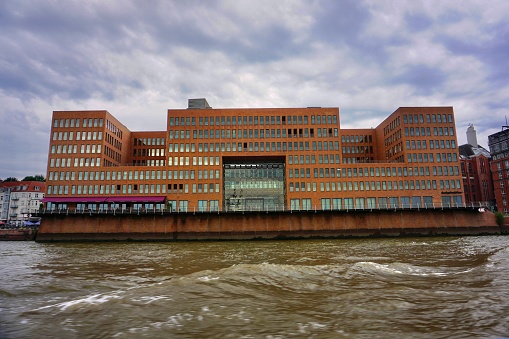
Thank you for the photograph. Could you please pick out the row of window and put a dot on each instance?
(292, 172)
(373, 203)
(392, 126)
(505, 163)
(149, 142)
(132, 175)
(93, 148)
(113, 129)
(113, 155)
(113, 142)
(90, 122)
(132, 189)
(499, 156)
(171, 205)
(84, 149)
(255, 147)
(349, 172)
(148, 152)
(80, 135)
(393, 138)
(437, 131)
(295, 204)
(254, 133)
(254, 120)
(356, 138)
(359, 160)
(499, 146)
(430, 118)
(293, 187)
(151, 163)
(425, 157)
(357, 149)
(15, 196)
(339, 186)
(433, 144)
(78, 162)
(59, 136)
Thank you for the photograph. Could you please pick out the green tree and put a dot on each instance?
(10, 179)
(37, 177)
(499, 218)
(40, 177)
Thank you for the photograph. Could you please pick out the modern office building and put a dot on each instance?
(20, 200)
(475, 169)
(499, 149)
(254, 159)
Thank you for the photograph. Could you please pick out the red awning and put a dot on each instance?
(74, 199)
(136, 199)
(105, 199)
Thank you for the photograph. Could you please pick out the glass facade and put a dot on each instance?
(254, 186)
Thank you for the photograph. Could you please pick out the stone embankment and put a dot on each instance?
(261, 225)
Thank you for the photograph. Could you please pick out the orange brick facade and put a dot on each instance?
(410, 160)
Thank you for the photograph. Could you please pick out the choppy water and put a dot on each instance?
(367, 288)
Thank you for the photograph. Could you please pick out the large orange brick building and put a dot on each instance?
(264, 159)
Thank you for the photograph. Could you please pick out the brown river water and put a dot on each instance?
(443, 287)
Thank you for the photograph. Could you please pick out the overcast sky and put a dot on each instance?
(136, 59)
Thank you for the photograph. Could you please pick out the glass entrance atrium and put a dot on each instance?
(254, 186)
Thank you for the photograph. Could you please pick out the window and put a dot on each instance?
(325, 203)
(295, 204)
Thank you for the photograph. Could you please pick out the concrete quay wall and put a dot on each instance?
(256, 225)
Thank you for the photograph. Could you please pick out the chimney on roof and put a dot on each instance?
(471, 136)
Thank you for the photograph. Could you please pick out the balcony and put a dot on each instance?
(15, 198)
(14, 206)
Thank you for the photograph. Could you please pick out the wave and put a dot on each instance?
(250, 280)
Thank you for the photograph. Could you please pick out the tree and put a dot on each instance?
(37, 177)
(10, 179)
(499, 217)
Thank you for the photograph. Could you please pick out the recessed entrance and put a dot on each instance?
(253, 184)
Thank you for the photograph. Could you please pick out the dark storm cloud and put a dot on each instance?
(368, 57)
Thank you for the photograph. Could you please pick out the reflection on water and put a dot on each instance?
(406, 287)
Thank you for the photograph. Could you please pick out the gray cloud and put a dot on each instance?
(135, 58)
(425, 80)
(418, 22)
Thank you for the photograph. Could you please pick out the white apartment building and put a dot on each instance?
(20, 200)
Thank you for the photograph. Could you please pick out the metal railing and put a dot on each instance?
(194, 210)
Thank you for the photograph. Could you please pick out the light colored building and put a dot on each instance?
(20, 200)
